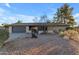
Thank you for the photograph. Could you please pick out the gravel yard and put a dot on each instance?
(45, 44)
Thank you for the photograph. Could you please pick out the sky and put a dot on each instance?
(26, 12)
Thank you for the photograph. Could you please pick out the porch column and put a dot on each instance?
(10, 29)
(27, 29)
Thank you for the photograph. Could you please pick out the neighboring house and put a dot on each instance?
(18, 30)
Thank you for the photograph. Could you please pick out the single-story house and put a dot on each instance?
(17, 30)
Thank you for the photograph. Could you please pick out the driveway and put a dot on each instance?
(45, 44)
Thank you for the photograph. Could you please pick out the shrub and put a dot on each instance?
(69, 28)
(61, 30)
(72, 34)
(4, 34)
(77, 29)
(61, 33)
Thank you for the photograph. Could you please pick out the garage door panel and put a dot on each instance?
(19, 29)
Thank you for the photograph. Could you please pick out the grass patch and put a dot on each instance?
(4, 34)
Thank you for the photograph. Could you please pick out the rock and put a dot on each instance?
(66, 37)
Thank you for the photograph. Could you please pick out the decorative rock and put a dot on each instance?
(66, 37)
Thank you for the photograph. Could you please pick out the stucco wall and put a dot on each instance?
(27, 30)
(50, 29)
(59, 28)
(55, 28)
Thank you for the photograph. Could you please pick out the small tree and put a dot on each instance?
(44, 19)
(19, 21)
(5, 26)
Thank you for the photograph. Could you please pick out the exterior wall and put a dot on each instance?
(59, 28)
(50, 29)
(27, 29)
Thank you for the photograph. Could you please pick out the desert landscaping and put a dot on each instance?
(46, 44)
(59, 36)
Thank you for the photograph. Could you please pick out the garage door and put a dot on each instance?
(18, 29)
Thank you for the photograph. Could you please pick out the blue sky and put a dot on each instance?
(12, 12)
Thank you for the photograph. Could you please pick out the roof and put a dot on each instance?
(38, 24)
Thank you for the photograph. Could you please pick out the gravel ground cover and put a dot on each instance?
(45, 44)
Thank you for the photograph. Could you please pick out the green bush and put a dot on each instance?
(4, 34)
(69, 28)
(61, 33)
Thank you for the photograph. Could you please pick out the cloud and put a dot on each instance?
(6, 16)
(8, 5)
(12, 18)
(15, 18)
(2, 12)
(24, 18)
(76, 16)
